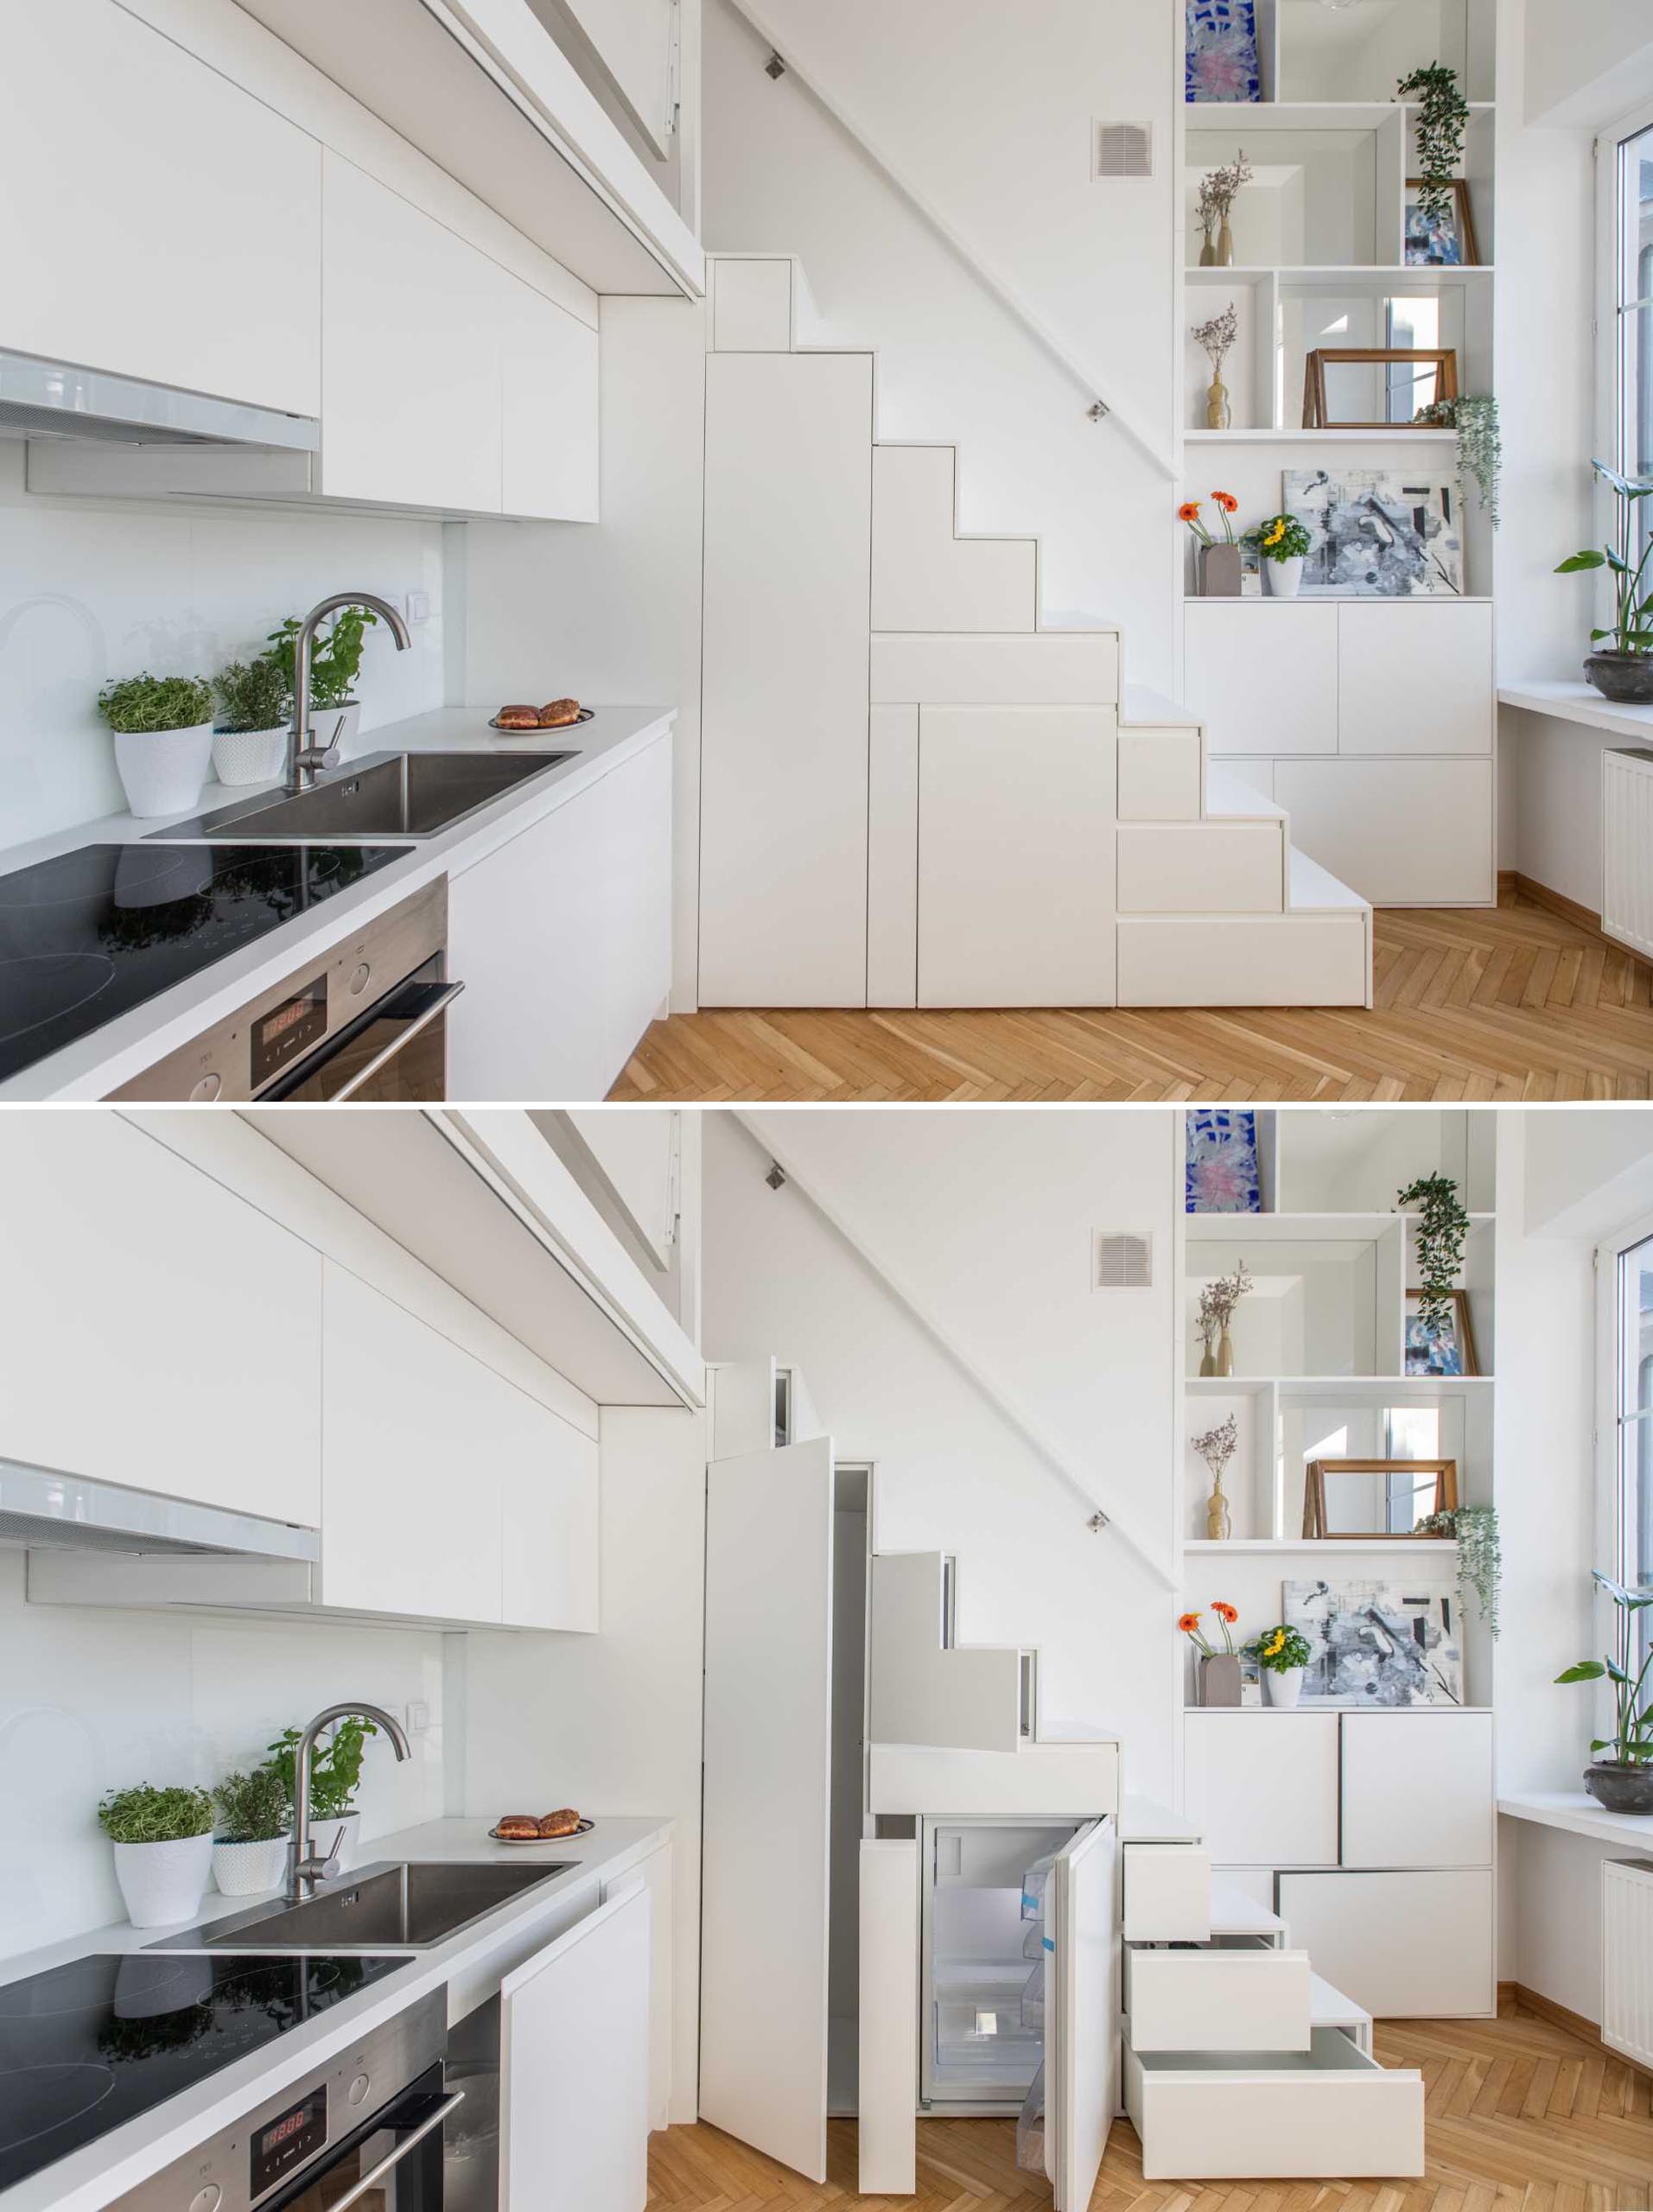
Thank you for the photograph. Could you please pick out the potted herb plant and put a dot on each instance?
(1623, 1782)
(164, 739)
(335, 1777)
(250, 1842)
(336, 663)
(1281, 1655)
(1623, 672)
(1217, 1672)
(255, 700)
(163, 1850)
(1282, 542)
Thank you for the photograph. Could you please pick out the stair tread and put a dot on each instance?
(1330, 2008)
(1140, 703)
(1313, 889)
(1233, 1913)
(1227, 794)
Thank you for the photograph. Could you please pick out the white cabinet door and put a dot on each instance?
(548, 1514)
(155, 1330)
(574, 2067)
(1409, 1945)
(1402, 833)
(1262, 1788)
(1017, 855)
(767, 1759)
(1082, 2080)
(1415, 676)
(174, 222)
(656, 1874)
(887, 2058)
(1263, 678)
(1167, 1893)
(629, 823)
(1417, 1789)
(548, 384)
(411, 398)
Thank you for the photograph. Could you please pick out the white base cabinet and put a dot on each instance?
(1263, 1787)
(1409, 1945)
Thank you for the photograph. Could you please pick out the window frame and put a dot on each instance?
(1612, 1536)
(1609, 353)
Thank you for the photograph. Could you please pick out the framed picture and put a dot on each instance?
(1443, 242)
(1220, 55)
(1341, 391)
(1376, 533)
(1374, 1501)
(1377, 1644)
(1441, 1351)
(1220, 1165)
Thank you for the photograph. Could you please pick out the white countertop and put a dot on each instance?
(471, 1963)
(1574, 1810)
(97, 1064)
(1570, 699)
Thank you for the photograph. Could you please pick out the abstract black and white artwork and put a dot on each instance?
(1375, 1643)
(1375, 533)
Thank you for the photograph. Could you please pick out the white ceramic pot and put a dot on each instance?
(248, 756)
(1281, 578)
(162, 771)
(249, 1870)
(163, 1882)
(1282, 1690)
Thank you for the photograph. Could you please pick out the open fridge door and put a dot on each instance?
(1082, 2054)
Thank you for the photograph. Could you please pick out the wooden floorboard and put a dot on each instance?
(1519, 2113)
(1514, 1002)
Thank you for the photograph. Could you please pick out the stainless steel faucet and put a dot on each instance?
(304, 759)
(304, 1869)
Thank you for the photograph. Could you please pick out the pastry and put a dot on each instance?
(563, 1823)
(517, 718)
(520, 1827)
(559, 714)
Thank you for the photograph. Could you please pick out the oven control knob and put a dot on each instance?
(208, 1088)
(207, 2199)
(359, 980)
(357, 2094)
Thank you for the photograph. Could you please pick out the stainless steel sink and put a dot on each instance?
(389, 1907)
(381, 796)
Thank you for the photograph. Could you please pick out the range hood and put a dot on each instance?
(49, 1511)
(53, 399)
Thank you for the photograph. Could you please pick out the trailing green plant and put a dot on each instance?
(1480, 1556)
(254, 1807)
(1442, 1229)
(1474, 416)
(1631, 1741)
(254, 694)
(1278, 1649)
(335, 1766)
(1632, 623)
(142, 1813)
(1442, 113)
(137, 705)
(335, 657)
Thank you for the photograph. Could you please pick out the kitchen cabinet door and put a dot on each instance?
(155, 1330)
(1263, 675)
(1408, 1946)
(548, 387)
(1417, 1789)
(574, 2066)
(131, 168)
(656, 1875)
(410, 386)
(548, 1516)
(1262, 1788)
(1415, 676)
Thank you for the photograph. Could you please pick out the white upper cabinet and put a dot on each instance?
(1264, 679)
(158, 1331)
(1417, 1789)
(166, 224)
(1263, 1791)
(548, 395)
(1415, 679)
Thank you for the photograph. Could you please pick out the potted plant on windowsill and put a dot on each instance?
(1623, 1782)
(163, 1850)
(1282, 1655)
(255, 701)
(250, 1843)
(336, 663)
(1623, 670)
(335, 1777)
(164, 739)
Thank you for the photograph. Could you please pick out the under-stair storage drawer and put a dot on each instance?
(1167, 1893)
(1174, 1998)
(1285, 2115)
(1407, 1946)
(1202, 867)
(1158, 775)
(1263, 678)
(1399, 832)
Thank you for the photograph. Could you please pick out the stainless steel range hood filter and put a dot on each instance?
(48, 1511)
(53, 399)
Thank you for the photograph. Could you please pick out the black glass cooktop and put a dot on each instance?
(96, 931)
(86, 2047)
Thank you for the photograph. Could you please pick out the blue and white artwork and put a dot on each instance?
(1220, 1164)
(1221, 55)
(1376, 1644)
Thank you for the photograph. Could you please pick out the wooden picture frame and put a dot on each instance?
(1463, 1332)
(1464, 218)
(1314, 1513)
(1316, 416)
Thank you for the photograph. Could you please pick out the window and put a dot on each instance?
(1627, 326)
(1624, 1287)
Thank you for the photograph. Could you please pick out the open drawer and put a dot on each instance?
(1257, 1998)
(1289, 2115)
(1167, 1893)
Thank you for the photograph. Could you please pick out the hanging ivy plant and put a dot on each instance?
(1481, 1561)
(1442, 1227)
(1480, 442)
(1443, 111)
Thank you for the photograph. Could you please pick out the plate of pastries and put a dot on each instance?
(556, 713)
(539, 1828)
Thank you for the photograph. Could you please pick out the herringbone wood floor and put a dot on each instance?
(1520, 2114)
(1515, 1002)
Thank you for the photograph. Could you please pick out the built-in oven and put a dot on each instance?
(366, 1022)
(364, 2129)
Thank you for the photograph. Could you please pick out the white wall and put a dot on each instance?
(90, 590)
(1587, 63)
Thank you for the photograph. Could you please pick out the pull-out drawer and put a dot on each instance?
(1293, 2115)
(1167, 1893)
(1255, 1997)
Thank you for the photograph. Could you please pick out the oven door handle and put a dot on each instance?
(376, 2174)
(437, 1007)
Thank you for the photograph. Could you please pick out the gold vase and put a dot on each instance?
(1208, 251)
(1216, 408)
(1220, 1522)
(1208, 1364)
(1224, 1354)
(1225, 246)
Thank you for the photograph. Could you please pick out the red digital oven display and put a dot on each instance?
(281, 2143)
(285, 1030)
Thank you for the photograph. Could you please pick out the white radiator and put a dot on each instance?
(1627, 1957)
(1627, 847)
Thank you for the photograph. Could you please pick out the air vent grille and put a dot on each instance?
(1123, 149)
(1124, 1260)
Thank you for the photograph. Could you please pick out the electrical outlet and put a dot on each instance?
(418, 1721)
(418, 606)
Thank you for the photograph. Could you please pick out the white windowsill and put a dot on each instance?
(1572, 700)
(1574, 1810)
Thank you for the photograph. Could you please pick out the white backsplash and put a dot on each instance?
(91, 1699)
(94, 589)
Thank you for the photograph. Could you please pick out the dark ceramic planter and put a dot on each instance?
(1620, 1786)
(1219, 1679)
(1220, 572)
(1625, 678)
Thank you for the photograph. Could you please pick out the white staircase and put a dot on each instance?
(1028, 831)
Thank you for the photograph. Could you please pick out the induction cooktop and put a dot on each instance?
(94, 933)
(84, 2048)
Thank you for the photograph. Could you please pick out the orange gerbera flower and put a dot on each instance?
(1227, 501)
(1188, 1622)
(1189, 510)
(1224, 1612)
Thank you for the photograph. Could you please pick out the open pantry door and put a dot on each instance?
(1082, 2055)
(767, 1788)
